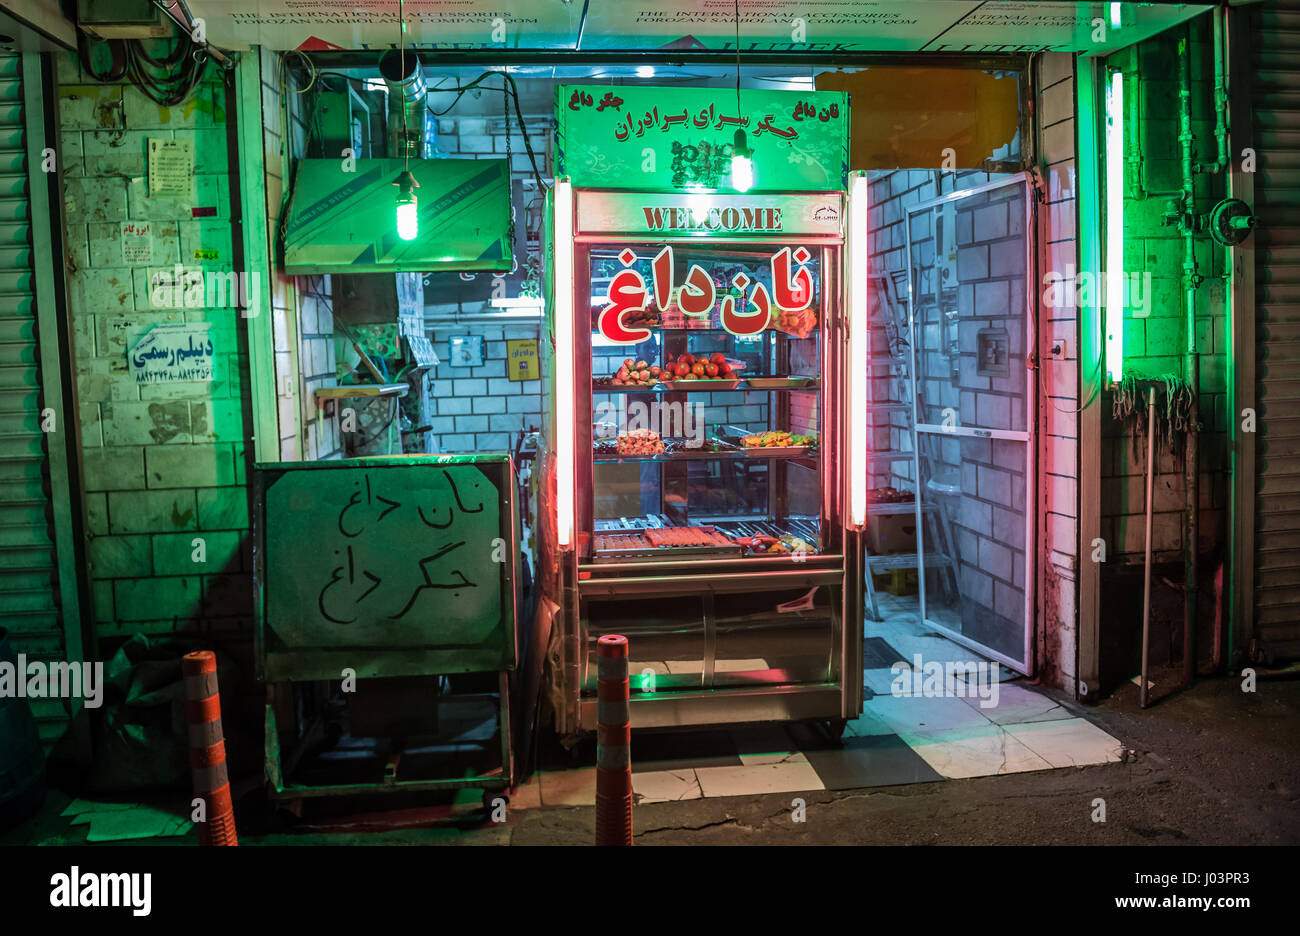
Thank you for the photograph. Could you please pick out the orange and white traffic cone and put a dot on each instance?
(613, 743)
(208, 748)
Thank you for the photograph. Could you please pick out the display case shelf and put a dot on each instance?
(805, 383)
(807, 455)
(720, 331)
(896, 508)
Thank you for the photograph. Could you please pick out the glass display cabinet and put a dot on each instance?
(700, 383)
(705, 442)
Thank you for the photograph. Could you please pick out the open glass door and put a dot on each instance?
(974, 405)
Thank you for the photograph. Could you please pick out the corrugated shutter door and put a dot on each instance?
(1277, 270)
(28, 569)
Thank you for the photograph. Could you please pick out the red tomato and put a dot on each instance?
(688, 358)
(717, 358)
(682, 369)
(698, 369)
(711, 369)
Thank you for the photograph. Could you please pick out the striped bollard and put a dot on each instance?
(208, 748)
(613, 744)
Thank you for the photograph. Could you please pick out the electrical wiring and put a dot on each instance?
(461, 91)
(738, 111)
(168, 61)
(115, 46)
(168, 79)
(302, 57)
(169, 88)
(1069, 412)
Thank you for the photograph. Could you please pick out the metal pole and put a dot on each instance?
(613, 743)
(1146, 576)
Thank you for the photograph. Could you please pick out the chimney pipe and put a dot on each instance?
(407, 111)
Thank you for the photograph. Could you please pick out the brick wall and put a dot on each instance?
(301, 307)
(164, 464)
(1153, 346)
(1058, 377)
(479, 408)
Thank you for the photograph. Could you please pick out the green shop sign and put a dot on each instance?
(649, 139)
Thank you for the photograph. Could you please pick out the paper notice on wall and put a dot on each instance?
(137, 243)
(173, 353)
(171, 168)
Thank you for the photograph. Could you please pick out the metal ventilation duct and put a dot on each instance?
(408, 115)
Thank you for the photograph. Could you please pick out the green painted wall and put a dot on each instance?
(164, 464)
(1154, 344)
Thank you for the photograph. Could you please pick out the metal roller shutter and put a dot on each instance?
(28, 567)
(1276, 77)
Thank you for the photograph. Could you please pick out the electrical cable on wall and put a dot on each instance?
(461, 90)
(167, 80)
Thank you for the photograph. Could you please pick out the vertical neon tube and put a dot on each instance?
(1114, 322)
(855, 248)
(562, 230)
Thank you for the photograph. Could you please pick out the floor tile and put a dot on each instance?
(674, 750)
(910, 715)
(1019, 704)
(878, 654)
(575, 787)
(786, 777)
(979, 752)
(879, 760)
(666, 786)
(765, 744)
(1071, 742)
(867, 725)
(879, 681)
(527, 795)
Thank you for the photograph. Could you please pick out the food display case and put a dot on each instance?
(693, 476)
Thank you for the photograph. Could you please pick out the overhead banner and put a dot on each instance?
(323, 25)
(791, 26)
(682, 139)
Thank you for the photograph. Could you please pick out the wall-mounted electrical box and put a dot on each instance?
(122, 19)
(466, 350)
(993, 350)
(344, 121)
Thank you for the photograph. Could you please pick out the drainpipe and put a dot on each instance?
(1220, 96)
(1133, 143)
(1192, 369)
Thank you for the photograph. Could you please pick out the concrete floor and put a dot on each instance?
(1211, 766)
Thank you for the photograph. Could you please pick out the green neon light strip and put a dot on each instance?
(1115, 227)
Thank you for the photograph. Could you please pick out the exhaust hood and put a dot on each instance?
(342, 221)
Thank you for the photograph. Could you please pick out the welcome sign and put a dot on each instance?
(682, 139)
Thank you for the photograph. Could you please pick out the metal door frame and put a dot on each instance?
(1028, 436)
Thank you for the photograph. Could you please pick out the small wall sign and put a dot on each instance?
(521, 359)
(173, 353)
(466, 350)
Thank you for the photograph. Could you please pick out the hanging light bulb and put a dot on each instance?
(408, 219)
(742, 167)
